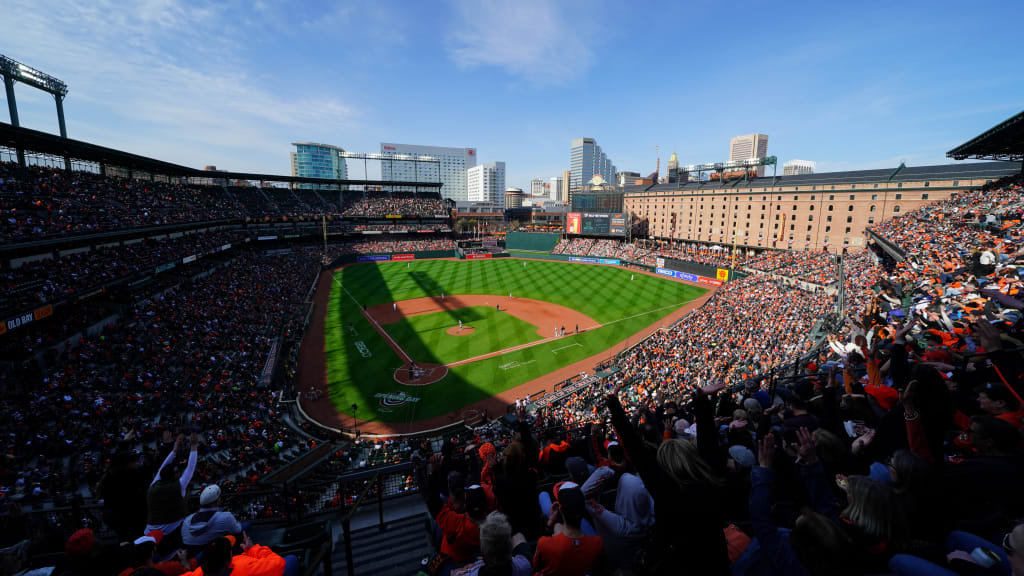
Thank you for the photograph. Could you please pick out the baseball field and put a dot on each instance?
(407, 341)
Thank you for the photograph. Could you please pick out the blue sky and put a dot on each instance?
(849, 85)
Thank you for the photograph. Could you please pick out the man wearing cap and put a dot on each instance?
(141, 555)
(208, 523)
(568, 552)
(166, 496)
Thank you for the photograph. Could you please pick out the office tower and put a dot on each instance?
(743, 148)
(536, 187)
(453, 164)
(486, 183)
(556, 189)
(311, 160)
(586, 160)
(794, 167)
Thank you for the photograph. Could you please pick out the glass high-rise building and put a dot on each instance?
(450, 169)
(312, 160)
(585, 160)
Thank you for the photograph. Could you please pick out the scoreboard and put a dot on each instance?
(596, 224)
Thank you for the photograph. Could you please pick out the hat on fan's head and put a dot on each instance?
(210, 495)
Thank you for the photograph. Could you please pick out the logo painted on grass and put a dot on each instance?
(515, 364)
(363, 350)
(394, 400)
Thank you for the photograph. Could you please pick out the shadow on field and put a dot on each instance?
(373, 387)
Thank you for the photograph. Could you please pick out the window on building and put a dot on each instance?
(899, 196)
(812, 208)
(829, 219)
(794, 207)
(853, 197)
(830, 207)
(792, 227)
(849, 208)
(810, 217)
(831, 197)
(849, 219)
(924, 196)
(828, 228)
(926, 184)
(896, 208)
(874, 196)
(809, 228)
(871, 219)
(900, 185)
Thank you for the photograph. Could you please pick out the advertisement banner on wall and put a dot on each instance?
(373, 258)
(612, 261)
(660, 262)
(722, 274)
(477, 256)
(688, 277)
(572, 223)
(403, 256)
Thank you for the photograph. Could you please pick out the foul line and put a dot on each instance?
(380, 330)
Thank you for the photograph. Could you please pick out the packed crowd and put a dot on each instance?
(814, 267)
(54, 278)
(188, 359)
(43, 202)
(396, 204)
(38, 203)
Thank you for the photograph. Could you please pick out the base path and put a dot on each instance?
(544, 315)
(312, 370)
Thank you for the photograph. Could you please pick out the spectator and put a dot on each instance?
(568, 552)
(502, 553)
(209, 523)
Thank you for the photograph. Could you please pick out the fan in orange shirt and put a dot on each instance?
(569, 552)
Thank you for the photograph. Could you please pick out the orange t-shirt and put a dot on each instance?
(560, 555)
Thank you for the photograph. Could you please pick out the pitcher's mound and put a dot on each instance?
(464, 331)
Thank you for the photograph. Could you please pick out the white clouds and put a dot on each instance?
(533, 39)
(175, 76)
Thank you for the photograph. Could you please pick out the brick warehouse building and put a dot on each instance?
(809, 211)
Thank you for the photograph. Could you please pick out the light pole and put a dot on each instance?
(355, 407)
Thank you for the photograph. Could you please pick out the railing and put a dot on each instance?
(346, 520)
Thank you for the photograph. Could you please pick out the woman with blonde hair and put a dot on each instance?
(874, 519)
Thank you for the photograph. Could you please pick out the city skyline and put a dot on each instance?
(233, 86)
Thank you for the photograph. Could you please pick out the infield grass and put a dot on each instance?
(425, 337)
(360, 363)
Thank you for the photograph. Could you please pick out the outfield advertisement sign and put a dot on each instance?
(373, 258)
(595, 260)
(688, 277)
(266, 238)
(477, 256)
(403, 256)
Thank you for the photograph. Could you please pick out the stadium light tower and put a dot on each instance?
(14, 71)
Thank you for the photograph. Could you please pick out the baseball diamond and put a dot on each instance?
(396, 312)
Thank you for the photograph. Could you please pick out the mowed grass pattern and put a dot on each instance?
(425, 338)
(360, 363)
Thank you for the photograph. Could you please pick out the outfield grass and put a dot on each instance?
(360, 363)
(425, 338)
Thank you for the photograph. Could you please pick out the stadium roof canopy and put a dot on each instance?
(44, 143)
(901, 173)
(1005, 141)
